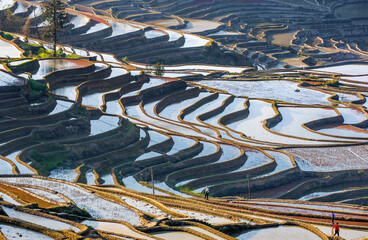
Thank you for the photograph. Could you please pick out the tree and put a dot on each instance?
(57, 19)
(159, 69)
(10, 22)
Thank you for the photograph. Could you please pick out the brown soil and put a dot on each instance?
(27, 197)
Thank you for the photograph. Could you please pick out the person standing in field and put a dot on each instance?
(337, 229)
(333, 217)
(206, 192)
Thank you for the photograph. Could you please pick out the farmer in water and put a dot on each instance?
(206, 192)
(333, 217)
(337, 229)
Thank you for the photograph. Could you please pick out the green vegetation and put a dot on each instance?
(333, 83)
(44, 53)
(45, 162)
(56, 15)
(10, 22)
(6, 36)
(38, 51)
(82, 177)
(72, 210)
(36, 86)
(159, 69)
(30, 49)
(185, 189)
(301, 52)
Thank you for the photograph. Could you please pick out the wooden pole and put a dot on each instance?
(249, 188)
(153, 186)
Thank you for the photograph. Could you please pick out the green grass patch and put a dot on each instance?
(73, 210)
(36, 86)
(82, 177)
(45, 162)
(7, 36)
(186, 189)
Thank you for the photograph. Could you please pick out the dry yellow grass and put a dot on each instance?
(27, 197)
(283, 39)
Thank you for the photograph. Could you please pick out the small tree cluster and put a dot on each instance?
(57, 18)
(159, 69)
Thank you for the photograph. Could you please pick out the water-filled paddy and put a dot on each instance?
(176, 235)
(345, 131)
(276, 90)
(97, 27)
(131, 183)
(67, 91)
(172, 111)
(6, 4)
(282, 232)
(282, 160)
(81, 52)
(14, 233)
(156, 137)
(114, 228)
(109, 58)
(96, 206)
(22, 169)
(293, 118)
(194, 41)
(9, 199)
(208, 148)
(192, 117)
(147, 155)
(196, 67)
(104, 124)
(154, 34)
(108, 179)
(46, 194)
(201, 230)
(7, 79)
(180, 143)
(195, 25)
(50, 65)
(173, 35)
(348, 234)
(9, 50)
(36, 12)
(61, 106)
(5, 167)
(253, 128)
(254, 159)
(22, 7)
(349, 69)
(46, 222)
(352, 116)
(119, 28)
(79, 21)
(236, 105)
(204, 217)
(64, 174)
(18, 62)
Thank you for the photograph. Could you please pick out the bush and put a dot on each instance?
(30, 48)
(25, 66)
(7, 36)
(159, 69)
(333, 83)
(72, 56)
(45, 162)
(36, 86)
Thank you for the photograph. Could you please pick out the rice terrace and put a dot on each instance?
(184, 119)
